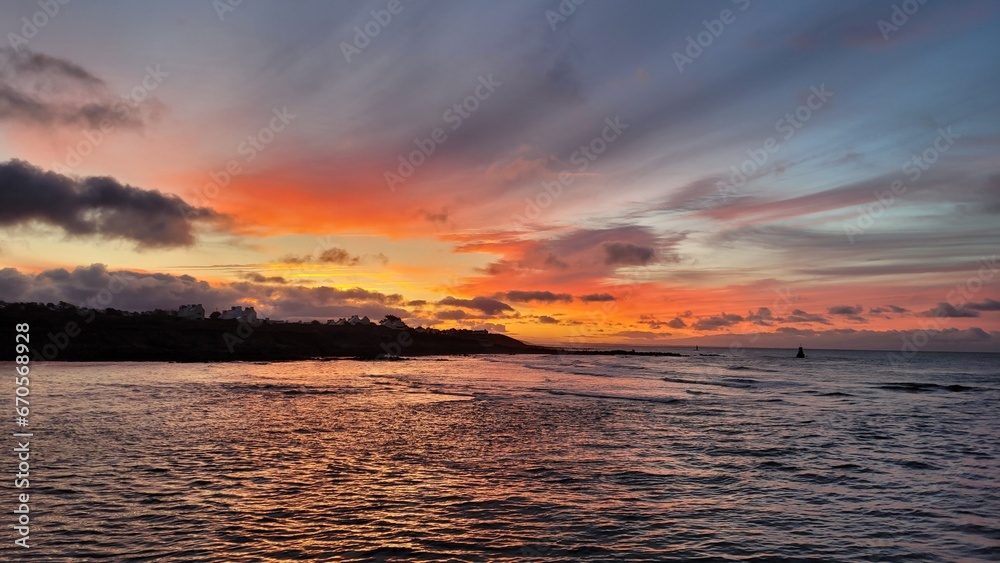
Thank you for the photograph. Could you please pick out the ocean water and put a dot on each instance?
(841, 456)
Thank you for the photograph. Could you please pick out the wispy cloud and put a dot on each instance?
(539, 296)
(38, 89)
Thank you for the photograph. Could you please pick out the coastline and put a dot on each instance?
(85, 335)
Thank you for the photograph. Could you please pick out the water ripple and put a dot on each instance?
(495, 460)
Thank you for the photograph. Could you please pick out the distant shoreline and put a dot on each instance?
(71, 334)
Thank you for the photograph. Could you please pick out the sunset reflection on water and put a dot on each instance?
(509, 458)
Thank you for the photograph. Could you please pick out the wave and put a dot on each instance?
(284, 389)
(743, 380)
(914, 387)
(662, 400)
(747, 368)
(734, 383)
(777, 466)
(914, 464)
(569, 371)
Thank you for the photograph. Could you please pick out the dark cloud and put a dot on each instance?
(547, 320)
(95, 286)
(451, 315)
(987, 305)
(293, 259)
(762, 317)
(717, 322)
(335, 255)
(888, 309)
(947, 310)
(44, 90)
(628, 254)
(338, 256)
(652, 321)
(800, 316)
(677, 322)
(13, 284)
(98, 206)
(845, 310)
(579, 253)
(39, 63)
(483, 304)
(540, 296)
(597, 297)
(330, 294)
(260, 278)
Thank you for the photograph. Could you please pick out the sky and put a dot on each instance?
(730, 173)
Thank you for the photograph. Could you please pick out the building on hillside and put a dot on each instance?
(191, 312)
(240, 314)
(234, 313)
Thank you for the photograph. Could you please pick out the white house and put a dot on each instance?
(238, 313)
(234, 313)
(191, 312)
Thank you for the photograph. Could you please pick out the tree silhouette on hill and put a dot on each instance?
(392, 321)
